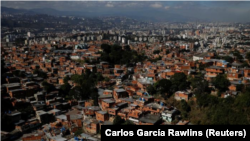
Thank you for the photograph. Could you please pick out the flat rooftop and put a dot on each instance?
(120, 90)
(150, 118)
(102, 112)
(109, 100)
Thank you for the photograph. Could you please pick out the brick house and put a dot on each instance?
(102, 116)
(107, 103)
(182, 95)
(91, 126)
(213, 71)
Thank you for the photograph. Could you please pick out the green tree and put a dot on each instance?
(184, 106)
(237, 55)
(205, 100)
(156, 51)
(151, 89)
(179, 82)
(66, 79)
(167, 51)
(118, 121)
(228, 59)
(85, 85)
(106, 79)
(202, 66)
(100, 77)
(127, 48)
(65, 88)
(106, 48)
(48, 87)
(40, 73)
(94, 95)
(116, 55)
(128, 122)
(245, 64)
(163, 86)
(199, 85)
(243, 100)
(240, 87)
(248, 56)
(76, 93)
(221, 82)
(3, 71)
(78, 132)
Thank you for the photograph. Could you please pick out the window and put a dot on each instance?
(154, 108)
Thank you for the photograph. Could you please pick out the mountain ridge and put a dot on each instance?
(150, 17)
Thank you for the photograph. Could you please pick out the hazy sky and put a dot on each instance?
(211, 10)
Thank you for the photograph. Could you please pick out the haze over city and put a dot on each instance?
(67, 68)
(223, 11)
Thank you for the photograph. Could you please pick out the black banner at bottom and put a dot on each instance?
(111, 132)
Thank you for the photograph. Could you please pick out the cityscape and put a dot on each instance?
(67, 68)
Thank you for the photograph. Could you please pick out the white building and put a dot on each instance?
(28, 34)
(123, 40)
(74, 57)
(199, 56)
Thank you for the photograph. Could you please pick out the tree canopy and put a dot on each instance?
(40, 73)
(48, 87)
(179, 82)
(156, 51)
(163, 86)
(116, 55)
(199, 85)
(221, 82)
(228, 59)
(118, 121)
(237, 55)
(85, 88)
(3, 71)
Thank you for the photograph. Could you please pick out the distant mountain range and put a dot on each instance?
(15, 11)
(140, 15)
(48, 11)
